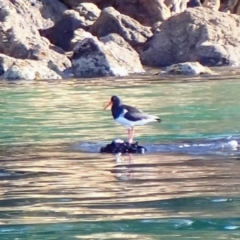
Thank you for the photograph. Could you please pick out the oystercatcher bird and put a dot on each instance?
(129, 116)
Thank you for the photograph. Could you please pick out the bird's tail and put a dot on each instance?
(156, 118)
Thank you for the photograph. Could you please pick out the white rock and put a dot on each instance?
(187, 68)
(29, 70)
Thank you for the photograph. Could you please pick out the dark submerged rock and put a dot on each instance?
(123, 147)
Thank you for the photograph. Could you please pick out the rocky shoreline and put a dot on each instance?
(60, 39)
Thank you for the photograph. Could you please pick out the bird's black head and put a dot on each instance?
(115, 100)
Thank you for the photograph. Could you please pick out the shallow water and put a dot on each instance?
(56, 185)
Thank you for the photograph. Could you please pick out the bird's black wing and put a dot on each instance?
(134, 114)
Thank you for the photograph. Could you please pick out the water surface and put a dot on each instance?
(56, 185)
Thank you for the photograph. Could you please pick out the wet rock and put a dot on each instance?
(187, 68)
(197, 34)
(93, 58)
(29, 70)
(111, 21)
(119, 146)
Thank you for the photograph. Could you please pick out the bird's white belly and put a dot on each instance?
(129, 124)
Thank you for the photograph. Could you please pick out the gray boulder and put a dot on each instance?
(187, 68)
(21, 40)
(100, 3)
(94, 58)
(146, 12)
(89, 11)
(5, 63)
(197, 34)
(111, 21)
(79, 35)
(62, 33)
(71, 25)
(41, 14)
(26, 69)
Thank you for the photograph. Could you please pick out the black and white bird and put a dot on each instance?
(129, 116)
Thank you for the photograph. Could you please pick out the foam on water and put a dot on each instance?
(198, 147)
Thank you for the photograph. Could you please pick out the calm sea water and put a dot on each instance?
(54, 183)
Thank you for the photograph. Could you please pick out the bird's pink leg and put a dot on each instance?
(131, 132)
(129, 135)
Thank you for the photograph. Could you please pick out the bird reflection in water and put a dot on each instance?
(124, 171)
(119, 158)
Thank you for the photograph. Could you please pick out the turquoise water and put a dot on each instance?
(64, 112)
(51, 189)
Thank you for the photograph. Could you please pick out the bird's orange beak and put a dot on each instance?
(109, 104)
